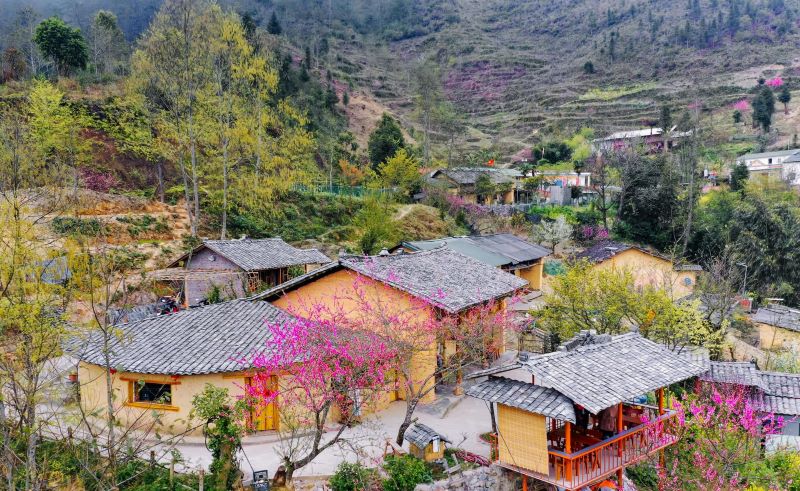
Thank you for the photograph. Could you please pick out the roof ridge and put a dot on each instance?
(190, 309)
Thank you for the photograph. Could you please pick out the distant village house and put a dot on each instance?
(465, 182)
(647, 267)
(781, 164)
(236, 268)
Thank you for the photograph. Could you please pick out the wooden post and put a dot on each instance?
(201, 480)
(524, 482)
(620, 443)
(660, 395)
(172, 474)
(568, 449)
(620, 483)
(152, 459)
(494, 421)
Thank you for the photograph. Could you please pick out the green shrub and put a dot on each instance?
(644, 476)
(405, 472)
(90, 227)
(354, 477)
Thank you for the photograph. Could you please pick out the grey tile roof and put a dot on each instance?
(448, 279)
(781, 384)
(779, 392)
(605, 250)
(598, 376)
(421, 435)
(779, 316)
(526, 396)
(602, 251)
(263, 254)
(468, 175)
(733, 372)
(210, 339)
(495, 249)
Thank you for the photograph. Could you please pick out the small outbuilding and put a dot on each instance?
(425, 443)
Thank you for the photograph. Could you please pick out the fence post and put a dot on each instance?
(172, 474)
(152, 459)
(202, 479)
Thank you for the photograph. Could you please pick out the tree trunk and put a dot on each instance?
(187, 197)
(8, 457)
(160, 179)
(401, 432)
(224, 188)
(32, 472)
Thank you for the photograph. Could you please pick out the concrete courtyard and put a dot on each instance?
(460, 419)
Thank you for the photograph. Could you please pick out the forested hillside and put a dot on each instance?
(510, 69)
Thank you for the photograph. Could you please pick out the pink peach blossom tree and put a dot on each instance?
(323, 368)
(721, 431)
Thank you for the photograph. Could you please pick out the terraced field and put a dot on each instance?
(515, 69)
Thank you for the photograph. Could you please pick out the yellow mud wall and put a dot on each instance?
(649, 270)
(172, 418)
(776, 337)
(335, 291)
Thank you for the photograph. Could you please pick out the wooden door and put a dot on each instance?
(265, 417)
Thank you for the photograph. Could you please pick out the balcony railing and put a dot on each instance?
(574, 470)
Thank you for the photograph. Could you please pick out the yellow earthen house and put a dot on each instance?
(648, 268)
(778, 326)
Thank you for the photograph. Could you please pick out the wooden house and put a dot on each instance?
(505, 251)
(425, 443)
(571, 422)
(236, 267)
(647, 267)
(461, 182)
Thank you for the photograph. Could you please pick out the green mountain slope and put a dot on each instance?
(515, 67)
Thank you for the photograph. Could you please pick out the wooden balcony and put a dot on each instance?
(597, 459)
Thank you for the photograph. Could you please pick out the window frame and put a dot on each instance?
(133, 392)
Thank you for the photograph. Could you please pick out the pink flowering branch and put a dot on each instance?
(720, 431)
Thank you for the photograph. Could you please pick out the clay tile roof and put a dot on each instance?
(526, 396)
(263, 254)
(210, 339)
(421, 435)
(599, 373)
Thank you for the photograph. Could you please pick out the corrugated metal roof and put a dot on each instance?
(765, 155)
(494, 249)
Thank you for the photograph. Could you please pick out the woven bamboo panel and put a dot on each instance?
(523, 439)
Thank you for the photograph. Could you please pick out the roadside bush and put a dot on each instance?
(354, 477)
(405, 472)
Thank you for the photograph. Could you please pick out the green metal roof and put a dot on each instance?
(463, 245)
